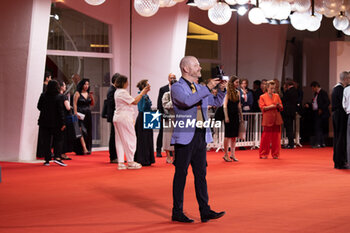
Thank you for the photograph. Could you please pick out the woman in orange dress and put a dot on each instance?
(271, 106)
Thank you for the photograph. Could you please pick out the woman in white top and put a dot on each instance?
(124, 124)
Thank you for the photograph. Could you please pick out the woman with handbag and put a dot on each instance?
(271, 106)
(82, 101)
(233, 117)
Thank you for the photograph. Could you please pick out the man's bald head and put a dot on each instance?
(186, 62)
(190, 68)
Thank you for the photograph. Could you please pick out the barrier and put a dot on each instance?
(253, 133)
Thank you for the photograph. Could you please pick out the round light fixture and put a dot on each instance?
(302, 5)
(95, 2)
(146, 8)
(205, 4)
(220, 13)
(347, 31)
(314, 24)
(341, 22)
(231, 2)
(242, 10)
(242, 2)
(164, 3)
(256, 16)
(284, 10)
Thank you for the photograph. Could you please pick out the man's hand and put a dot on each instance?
(213, 82)
(223, 85)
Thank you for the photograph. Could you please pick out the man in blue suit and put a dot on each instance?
(191, 136)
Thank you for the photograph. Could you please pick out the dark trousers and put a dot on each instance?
(195, 154)
(320, 129)
(160, 138)
(339, 138)
(288, 124)
(112, 149)
(57, 137)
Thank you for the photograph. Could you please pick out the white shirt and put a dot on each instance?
(123, 106)
(346, 99)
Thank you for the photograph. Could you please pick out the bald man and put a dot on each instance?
(190, 101)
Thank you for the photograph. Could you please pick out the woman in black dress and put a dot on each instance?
(81, 105)
(144, 153)
(233, 115)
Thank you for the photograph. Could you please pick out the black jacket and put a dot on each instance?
(290, 101)
(51, 111)
(110, 103)
(323, 103)
(162, 90)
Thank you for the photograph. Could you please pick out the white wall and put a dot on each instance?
(339, 56)
(23, 44)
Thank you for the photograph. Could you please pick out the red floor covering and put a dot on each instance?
(300, 192)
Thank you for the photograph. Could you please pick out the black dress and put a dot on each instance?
(144, 153)
(232, 128)
(83, 106)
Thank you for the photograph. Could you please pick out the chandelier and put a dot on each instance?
(302, 14)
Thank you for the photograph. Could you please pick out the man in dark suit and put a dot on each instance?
(162, 90)
(340, 121)
(190, 101)
(321, 114)
(289, 100)
(110, 112)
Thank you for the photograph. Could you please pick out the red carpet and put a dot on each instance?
(301, 192)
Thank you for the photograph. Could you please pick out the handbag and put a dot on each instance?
(242, 130)
(73, 120)
(104, 113)
(219, 114)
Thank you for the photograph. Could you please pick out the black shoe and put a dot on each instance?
(316, 146)
(341, 167)
(114, 161)
(212, 215)
(181, 218)
(60, 162)
(159, 155)
(47, 163)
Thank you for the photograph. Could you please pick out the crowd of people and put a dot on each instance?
(65, 122)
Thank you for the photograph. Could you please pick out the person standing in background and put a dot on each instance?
(289, 100)
(47, 78)
(162, 90)
(124, 123)
(319, 106)
(110, 112)
(144, 153)
(339, 118)
(52, 122)
(271, 106)
(246, 96)
(233, 117)
(82, 101)
(168, 117)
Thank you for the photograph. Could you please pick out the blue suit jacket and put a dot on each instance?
(185, 108)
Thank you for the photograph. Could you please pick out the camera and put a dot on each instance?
(222, 77)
